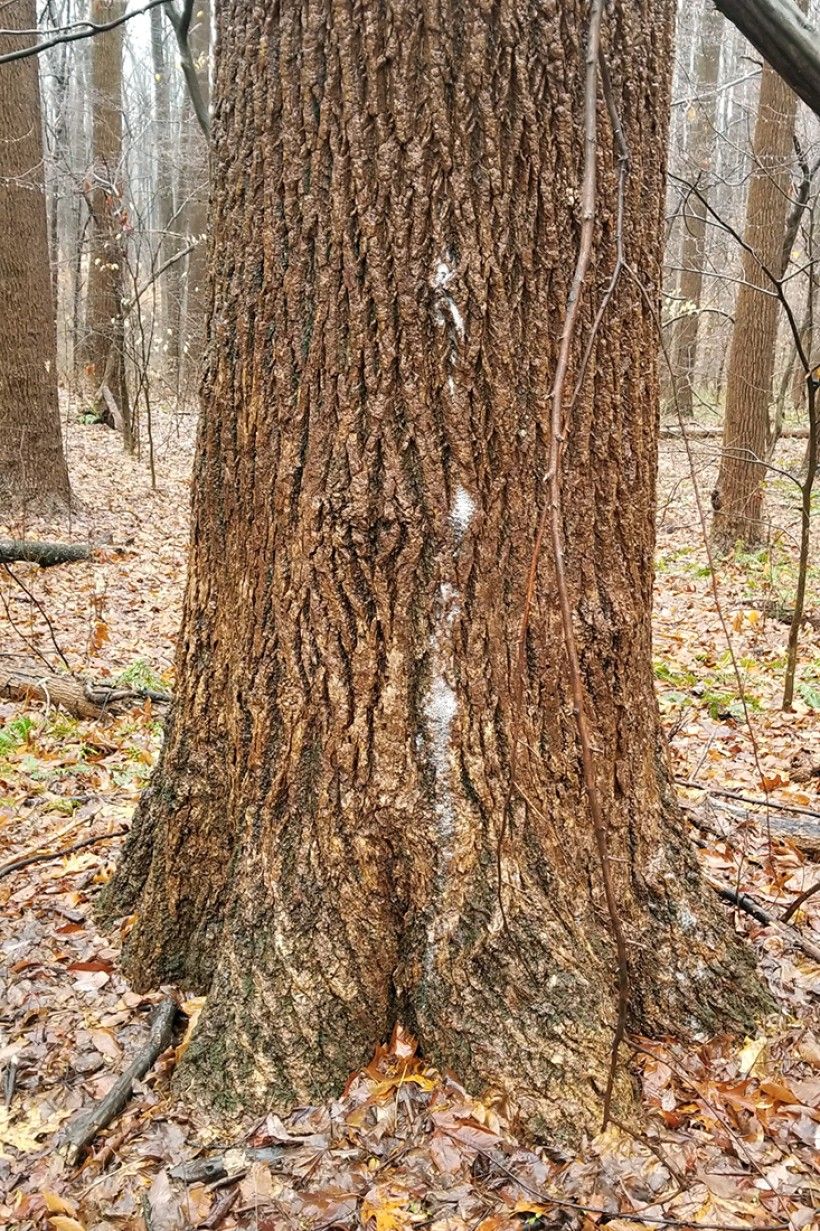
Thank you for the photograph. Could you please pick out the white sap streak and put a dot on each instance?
(461, 513)
(440, 707)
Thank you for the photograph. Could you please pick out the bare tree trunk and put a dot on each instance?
(196, 214)
(170, 243)
(700, 157)
(103, 346)
(363, 812)
(738, 495)
(32, 464)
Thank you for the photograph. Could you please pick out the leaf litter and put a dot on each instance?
(730, 1130)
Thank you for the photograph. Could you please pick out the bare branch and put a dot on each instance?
(181, 24)
(785, 38)
(72, 34)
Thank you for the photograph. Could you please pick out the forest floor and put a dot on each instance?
(730, 1135)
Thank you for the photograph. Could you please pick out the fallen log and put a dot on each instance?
(673, 432)
(784, 821)
(45, 554)
(80, 699)
(84, 1128)
(231, 1163)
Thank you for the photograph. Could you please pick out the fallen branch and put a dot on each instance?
(798, 901)
(708, 433)
(757, 802)
(8, 868)
(221, 1209)
(82, 700)
(44, 554)
(84, 1128)
(743, 902)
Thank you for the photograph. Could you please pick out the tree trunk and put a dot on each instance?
(701, 153)
(103, 347)
(196, 214)
(32, 464)
(738, 495)
(355, 820)
(169, 243)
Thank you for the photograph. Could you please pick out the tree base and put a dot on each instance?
(520, 1005)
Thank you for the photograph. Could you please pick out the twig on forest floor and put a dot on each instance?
(756, 801)
(51, 838)
(221, 1209)
(798, 902)
(18, 864)
(636, 1216)
(84, 1128)
(743, 902)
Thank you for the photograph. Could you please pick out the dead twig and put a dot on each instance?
(798, 902)
(756, 801)
(221, 1209)
(84, 1128)
(637, 1216)
(743, 902)
(8, 868)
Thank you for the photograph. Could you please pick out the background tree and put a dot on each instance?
(196, 214)
(369, 805)
(738, 496)
(166, 208)
(32, 464)
(102, 353)
(700, 158)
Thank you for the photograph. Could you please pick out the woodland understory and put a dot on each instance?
(726, 1131)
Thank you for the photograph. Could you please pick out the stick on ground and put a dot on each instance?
(747, 904)
(84, 1128)
(45, 856)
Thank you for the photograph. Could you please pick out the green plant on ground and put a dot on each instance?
(15, 732)
(140, 675)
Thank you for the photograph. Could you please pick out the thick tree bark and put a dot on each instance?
(702, 137)
(354, 820)
(32, 464)
(102, 352)
(738, 495)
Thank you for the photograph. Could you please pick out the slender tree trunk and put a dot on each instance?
(103, 347)
(360, 816)
(699, 162)
(196, 214)
(32, 464)
(738, 495)
(170, 243)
